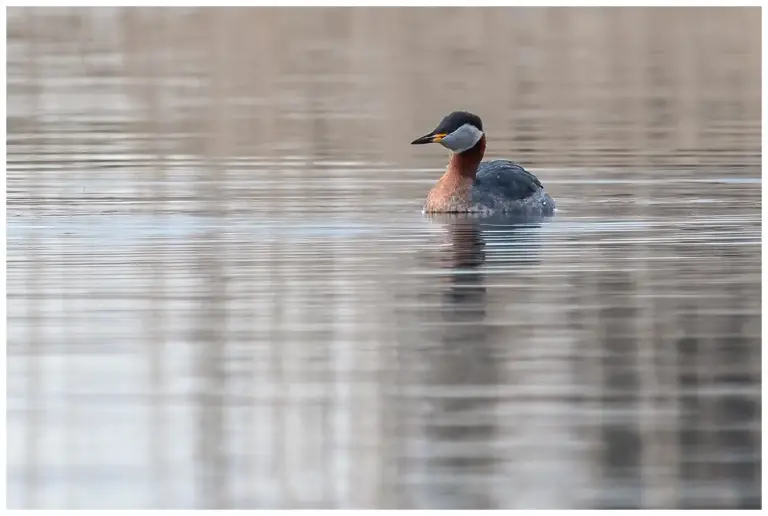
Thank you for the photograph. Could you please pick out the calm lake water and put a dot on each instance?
(222, 292)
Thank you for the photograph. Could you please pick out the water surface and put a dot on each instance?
(222, 291)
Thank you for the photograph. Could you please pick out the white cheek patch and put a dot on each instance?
(462, 139)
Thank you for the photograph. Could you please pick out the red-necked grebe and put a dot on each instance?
(471, 186)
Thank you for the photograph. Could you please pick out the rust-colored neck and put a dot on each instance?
(452, 191)
(465, 163)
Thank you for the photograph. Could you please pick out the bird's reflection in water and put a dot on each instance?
(459, 363)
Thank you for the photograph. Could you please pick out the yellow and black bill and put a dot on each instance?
(429, 138)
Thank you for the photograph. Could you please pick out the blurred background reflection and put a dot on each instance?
(222, 293)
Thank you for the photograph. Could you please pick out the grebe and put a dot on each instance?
(468, 185)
